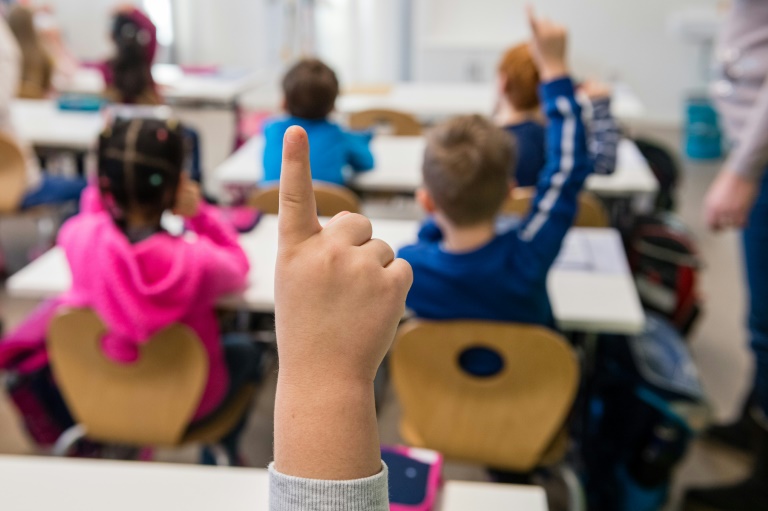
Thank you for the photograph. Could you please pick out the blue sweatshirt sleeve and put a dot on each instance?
(567, 166)
(359, 155)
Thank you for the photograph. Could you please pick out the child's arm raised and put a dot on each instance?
(338, 298)
(568, 162)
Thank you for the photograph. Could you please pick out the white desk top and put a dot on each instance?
(222, 87)
(398, 163)
(437, 100)
(65, 484)
(590, 287)
(41, 123)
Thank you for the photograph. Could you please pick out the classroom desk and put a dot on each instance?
(41, 123)
(398, 163)
(219, 88)
(590, 286)
(430, 101)
(35, 483)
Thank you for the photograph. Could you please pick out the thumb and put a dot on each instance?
(297, 213)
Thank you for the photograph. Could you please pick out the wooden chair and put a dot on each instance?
(331, 199)
(512, 420)
(150, 402)
(400, 123)
(591, 212)
(13, 175)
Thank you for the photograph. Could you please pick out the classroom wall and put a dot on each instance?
(622, 39)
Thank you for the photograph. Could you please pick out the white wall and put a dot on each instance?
(621, 39)
(85, 25)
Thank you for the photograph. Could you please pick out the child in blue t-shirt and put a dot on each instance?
(463, 267)
(310, 89)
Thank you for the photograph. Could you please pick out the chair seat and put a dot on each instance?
(213, 429)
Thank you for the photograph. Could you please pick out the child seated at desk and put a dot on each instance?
(128, 75)
(463, 268)
(37, 65)
(520, 114)
(137, 277)
(310, 89)
(41, 188)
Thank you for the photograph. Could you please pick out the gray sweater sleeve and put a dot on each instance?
(749, 158)
(288, 493)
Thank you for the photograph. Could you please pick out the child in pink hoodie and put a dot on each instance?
(139, 278)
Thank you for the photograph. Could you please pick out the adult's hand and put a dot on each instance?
(729, 200)
(339, 296)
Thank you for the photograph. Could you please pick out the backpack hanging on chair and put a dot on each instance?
(665, 262)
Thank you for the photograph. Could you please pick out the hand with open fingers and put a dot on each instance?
(339, 295)
(729, 200)
(549, 45)
(188, 198)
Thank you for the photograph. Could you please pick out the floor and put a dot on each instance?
(719, 345)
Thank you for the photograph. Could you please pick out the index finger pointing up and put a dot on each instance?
(297, 218)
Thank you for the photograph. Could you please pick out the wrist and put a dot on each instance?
(551, 72)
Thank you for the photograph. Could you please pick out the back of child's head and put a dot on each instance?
(132, 71)
(140, 164)
(466, 169)
(310, 88)
(521, 76)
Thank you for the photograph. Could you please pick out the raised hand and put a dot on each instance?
(549, 45)
(339, 296)
(188, 198)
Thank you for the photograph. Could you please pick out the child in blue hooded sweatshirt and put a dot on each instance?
(310, 89)
(463, 267)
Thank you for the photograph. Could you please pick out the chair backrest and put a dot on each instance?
(591, 211)
(13, 174)
(148, 402)
(505, 421)
(401, 124)
(331, 199)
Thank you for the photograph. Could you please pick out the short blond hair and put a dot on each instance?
(467, 164)
(522, 77)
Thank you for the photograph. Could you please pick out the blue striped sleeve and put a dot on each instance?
(567, 166)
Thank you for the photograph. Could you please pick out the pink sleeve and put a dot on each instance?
(90, 200)
(227, 262)
(145, 23)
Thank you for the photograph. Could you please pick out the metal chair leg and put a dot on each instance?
(576, 498)
(220, 455)
(68, 439)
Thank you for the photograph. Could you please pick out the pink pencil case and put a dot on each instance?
(415, 476)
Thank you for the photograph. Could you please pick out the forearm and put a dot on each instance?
(325, 429)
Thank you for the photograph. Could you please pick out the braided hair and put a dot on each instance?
(140, 165)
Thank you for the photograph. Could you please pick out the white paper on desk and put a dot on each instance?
(607, 255)
(597, 252)
(574, 254)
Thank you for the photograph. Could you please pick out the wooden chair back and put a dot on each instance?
(148, 402)
(331, 199)
(401, 124)
(506, 421)
(13, 174)
(591, 211)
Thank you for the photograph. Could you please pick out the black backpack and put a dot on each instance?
(665, 263)
(666, 169)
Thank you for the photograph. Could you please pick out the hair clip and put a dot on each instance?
(155, 180)
(162, 135)
(172, 124)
